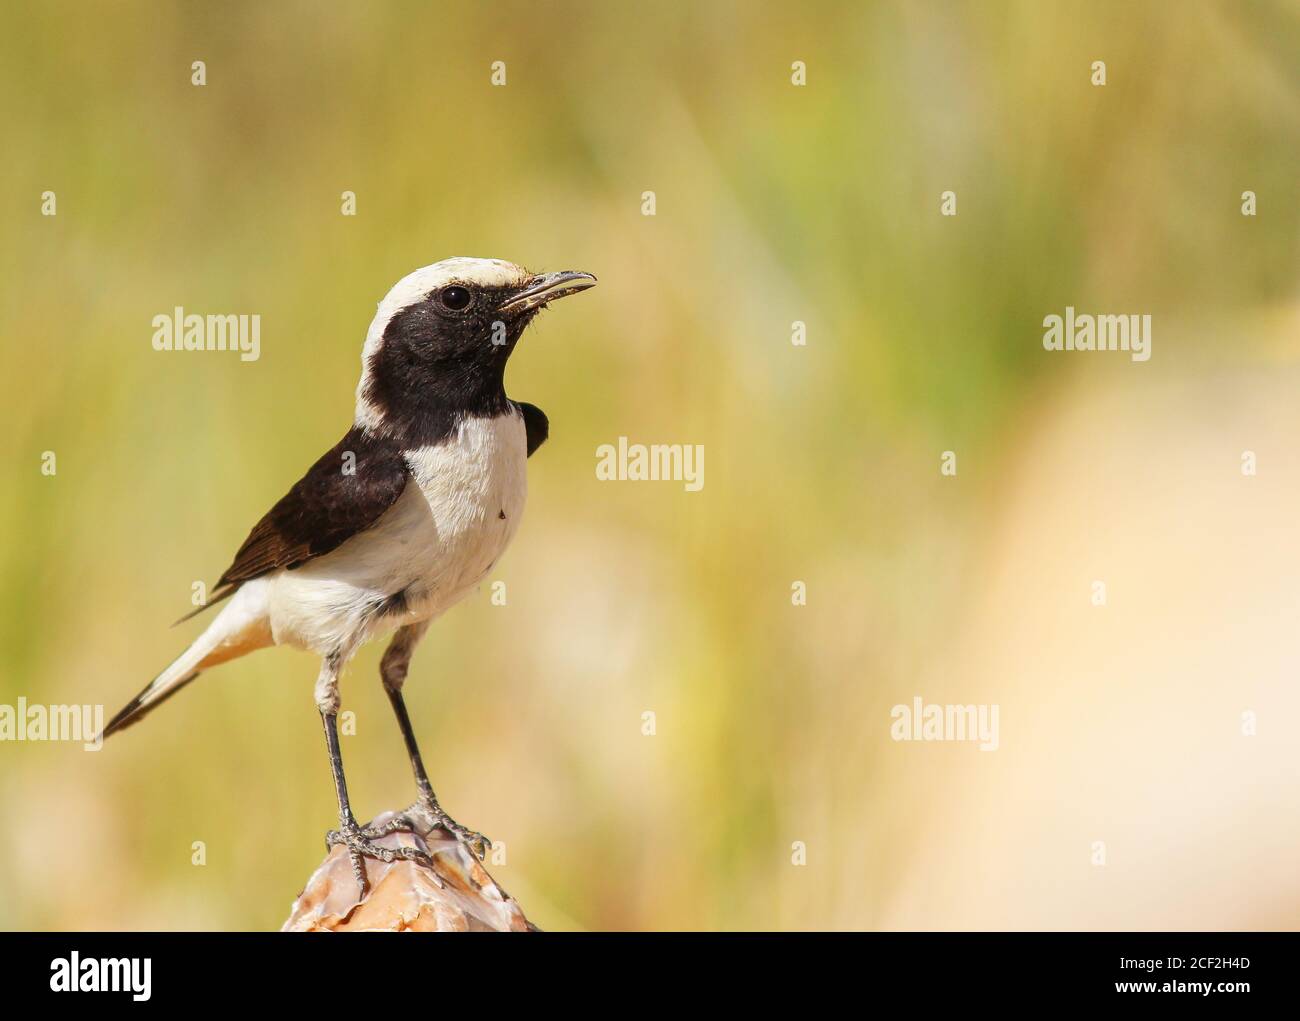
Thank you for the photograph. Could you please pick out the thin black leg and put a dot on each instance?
(408, 735)
(346, 819)
(349, 833)
(426, 813)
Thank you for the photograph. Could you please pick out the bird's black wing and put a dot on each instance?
(343, 493)
(535, 425)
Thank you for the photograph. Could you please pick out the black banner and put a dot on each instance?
(143, 970)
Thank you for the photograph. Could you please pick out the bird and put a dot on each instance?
(397, 522)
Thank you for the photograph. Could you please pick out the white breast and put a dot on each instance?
(434, 545)
(472, 493)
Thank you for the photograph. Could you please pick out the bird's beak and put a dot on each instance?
(545, 288)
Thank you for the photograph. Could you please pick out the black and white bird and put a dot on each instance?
(400, 520)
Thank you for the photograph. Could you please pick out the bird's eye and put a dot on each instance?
(456, 298)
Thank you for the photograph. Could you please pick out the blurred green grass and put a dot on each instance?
(775, 204)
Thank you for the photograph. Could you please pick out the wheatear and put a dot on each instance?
(400, 520)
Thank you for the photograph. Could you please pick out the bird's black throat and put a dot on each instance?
(431, 371)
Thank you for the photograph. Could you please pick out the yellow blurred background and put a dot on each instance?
(776, 203)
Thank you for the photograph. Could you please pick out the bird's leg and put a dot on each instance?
(360, 845)
(426, 813)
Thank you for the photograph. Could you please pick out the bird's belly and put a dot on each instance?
(454, 545)
(471, 495)
(441, 537)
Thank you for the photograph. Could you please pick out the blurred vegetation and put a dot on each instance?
(774, 204)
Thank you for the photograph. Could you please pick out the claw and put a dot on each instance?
(427, 814)
(361, 845)
(477, 843)
(398, 824)
(359, 870)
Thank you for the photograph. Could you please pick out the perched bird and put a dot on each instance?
(400, 520)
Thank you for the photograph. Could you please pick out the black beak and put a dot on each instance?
(545, 288)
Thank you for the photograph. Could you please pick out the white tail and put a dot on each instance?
(240, 628)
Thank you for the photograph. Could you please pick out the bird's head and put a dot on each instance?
(441, 338)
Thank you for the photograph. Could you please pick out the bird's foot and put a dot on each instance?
(361, 845)
(426, 814)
